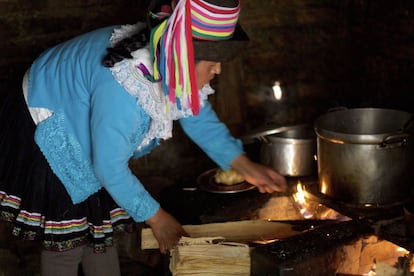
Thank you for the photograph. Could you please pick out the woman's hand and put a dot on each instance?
(263, 177)
(166, 229)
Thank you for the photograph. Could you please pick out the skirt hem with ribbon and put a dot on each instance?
(34, 200)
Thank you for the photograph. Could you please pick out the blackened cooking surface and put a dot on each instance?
(313, 242)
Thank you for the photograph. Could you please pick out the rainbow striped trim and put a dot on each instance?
(118, 214)
(210, 23)
(75, 225)
(32, 219)
(9, 200)
(98, 231)
(66, 226)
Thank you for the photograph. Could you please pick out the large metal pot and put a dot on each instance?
(290, 150)
(365, 155)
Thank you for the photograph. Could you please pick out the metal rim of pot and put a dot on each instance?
(293, 135)
(324, 127)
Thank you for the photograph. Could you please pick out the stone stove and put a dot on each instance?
(344, 239)
(337, 239)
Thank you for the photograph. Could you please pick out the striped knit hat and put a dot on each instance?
(193, 30)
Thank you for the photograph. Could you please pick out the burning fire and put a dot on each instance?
(300, 201)
(310, 209)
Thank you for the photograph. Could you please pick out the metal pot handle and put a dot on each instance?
(263, 139)
(400, 138)
(395, 140)
(337, 108)
(262, 135)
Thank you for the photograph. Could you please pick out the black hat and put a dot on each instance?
(223, 50)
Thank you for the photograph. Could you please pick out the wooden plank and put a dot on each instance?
(237, 231)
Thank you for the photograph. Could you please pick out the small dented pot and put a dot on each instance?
(290, 150)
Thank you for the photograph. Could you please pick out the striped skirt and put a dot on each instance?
(34, 200)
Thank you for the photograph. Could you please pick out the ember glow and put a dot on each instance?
(403, 265)
(375, 257)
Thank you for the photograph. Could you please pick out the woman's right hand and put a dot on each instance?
(265, 178)
(166, 229)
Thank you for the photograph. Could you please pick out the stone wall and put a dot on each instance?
(29, 27)
(325, 54)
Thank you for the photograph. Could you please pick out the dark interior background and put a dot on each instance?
(325, 54)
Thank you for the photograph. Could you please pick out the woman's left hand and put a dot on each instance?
(266, 179)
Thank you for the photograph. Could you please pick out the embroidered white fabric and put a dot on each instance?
(125, 31)
(150, 96)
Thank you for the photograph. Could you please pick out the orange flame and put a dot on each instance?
(300, 201)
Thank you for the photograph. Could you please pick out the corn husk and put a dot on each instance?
(210, 256)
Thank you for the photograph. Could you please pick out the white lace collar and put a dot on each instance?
(149, 95)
